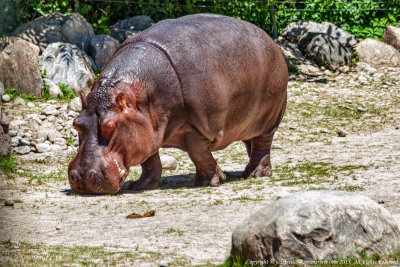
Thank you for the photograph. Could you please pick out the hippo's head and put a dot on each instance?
(113, 135)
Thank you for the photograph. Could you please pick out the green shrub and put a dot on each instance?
(367, 18)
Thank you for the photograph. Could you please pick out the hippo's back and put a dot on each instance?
(224, 66)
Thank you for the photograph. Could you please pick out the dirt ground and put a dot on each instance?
(193, 226)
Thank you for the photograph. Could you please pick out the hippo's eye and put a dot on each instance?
(107, 129)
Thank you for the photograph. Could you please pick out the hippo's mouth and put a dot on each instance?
(122, 171)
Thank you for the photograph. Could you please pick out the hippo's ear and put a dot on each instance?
(121, 100)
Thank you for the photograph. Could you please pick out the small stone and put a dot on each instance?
(50, 111)
(22, 150)
(57, 148)
(31, 105)
(370, 69)
(164, 264)
(341, 133)
(54, 90)
(42, 134)
(344, 69)
(58, 127)
(72, 113)
(76, 142)
(15, 141)
(276, 146)
(362, 79)
(42, 147)
(13, 133)
(168, 162)
(58, 227)
(53, 135)
(28, 136)
(74, 132)
(328, 72)
(361, 109)
(19, 101)
(75, 104)
(6, 98)
(23, 142)
(59, 141)
(51, 119)
(9, 203)
(324, 131)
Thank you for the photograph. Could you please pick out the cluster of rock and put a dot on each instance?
(310, 46)
(47, 131)
(64, 49)
(316, 225)
(385, 53)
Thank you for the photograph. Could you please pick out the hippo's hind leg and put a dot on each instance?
(258, 150)
(208, 173)
(151, 174)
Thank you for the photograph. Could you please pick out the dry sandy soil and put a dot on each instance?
(49, 224)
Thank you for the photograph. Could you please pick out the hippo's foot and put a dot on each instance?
(260, 171)
(151, 175)
(142, 184)
(258, 168)
(212, 179)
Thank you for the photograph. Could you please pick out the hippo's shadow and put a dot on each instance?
(167, 182)
(182, 181)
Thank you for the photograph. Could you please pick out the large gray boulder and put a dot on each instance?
(56, 27)
(101, 48)
(392, 37)
(128, 27)
(316, 225)
(295, 58)
(19, 68)
(295, 30)
(377, 53)
(326, 50)
(5, 138)
(67, 64)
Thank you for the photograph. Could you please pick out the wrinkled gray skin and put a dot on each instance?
(197, 83)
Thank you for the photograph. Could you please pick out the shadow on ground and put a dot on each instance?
(167, 182)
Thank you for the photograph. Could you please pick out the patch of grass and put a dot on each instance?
(350, 188)
(172, 230)
(25, 254)
(8, 165)
(12, 92)
(310, 172)
(68, 93)
(218, 202)
(246, 198)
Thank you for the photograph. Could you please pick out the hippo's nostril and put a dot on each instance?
(75, 175)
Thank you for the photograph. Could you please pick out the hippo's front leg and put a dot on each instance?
(208, 173)
(151, 174)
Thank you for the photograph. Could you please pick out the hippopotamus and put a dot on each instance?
(197, 83)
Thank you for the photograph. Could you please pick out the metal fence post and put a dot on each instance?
(272, 11)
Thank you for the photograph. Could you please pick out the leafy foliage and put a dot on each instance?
(363, 18)
(8, 165)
